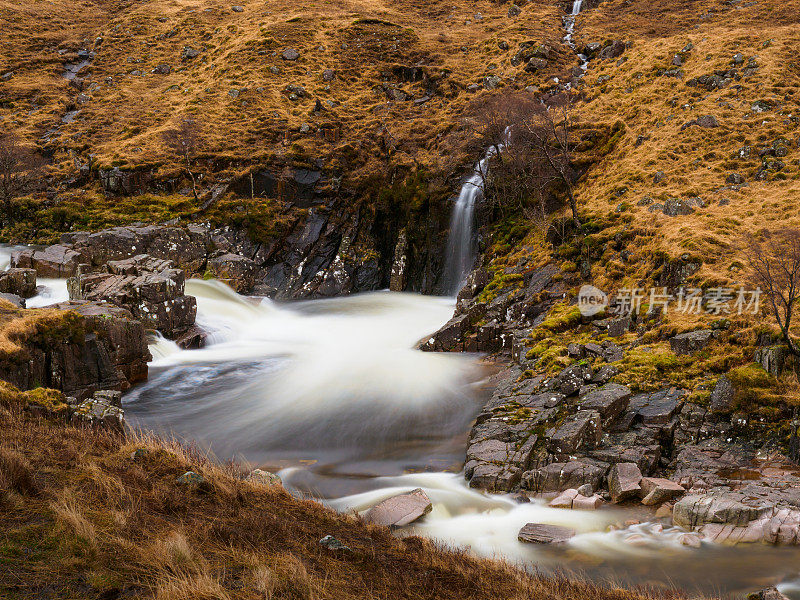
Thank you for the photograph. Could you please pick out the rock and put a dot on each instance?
(664, 511)
(156, 298)
(612, 50)
(772, 358)
(564, 499)
(623, 481)
(579, 432)
(290, 54)
(514, 10)
(491, 82)
(56, 262)
(689, 343)
(104, 409)
(657, 491)
(331, 543)
(163, 69)
(328, 75)
(189, 53)
(657, 408)
(263, 477)
(536, 533)
(707, 121)
(237, 8)
(692, 540)
(587, 503)
(235, 270)
(770, 593)
(20, 282)
(610, 401)
(695, 511)
(400, 510)
(674, 207)
(734, 179)
(723, 396)
(586, 490)
(190, 478)
(556, 477)
(13, 299)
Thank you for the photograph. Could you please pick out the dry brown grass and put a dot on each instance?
(223, 539)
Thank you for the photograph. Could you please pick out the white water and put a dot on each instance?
(569, 25)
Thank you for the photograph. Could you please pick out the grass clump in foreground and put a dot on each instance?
(88, 514)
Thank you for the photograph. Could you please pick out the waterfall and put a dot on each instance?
(461, 243)
(569, 25)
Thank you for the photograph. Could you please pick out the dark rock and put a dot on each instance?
(581, 431)
(610, 401)
(557, 477)
(328, 75)
(723, 396)
(657, 408)
(19, 282)
(17, 301)
(689, 343)
(331, 543)
(290, 54)
(235, 270)
(613, 50)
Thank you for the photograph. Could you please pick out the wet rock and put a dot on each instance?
(20, 282)
(689, 343)
(235, 270)
(623, 481)
(400, 510)
(656, 490)
(537, 533)
(57, 261)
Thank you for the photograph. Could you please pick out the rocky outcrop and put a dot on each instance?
(93, 346)
(103, 409)
(58, 261)
(236, 271)
(150, 288)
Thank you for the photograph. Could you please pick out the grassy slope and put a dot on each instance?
(81, 519)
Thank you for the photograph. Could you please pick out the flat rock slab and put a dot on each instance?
(400, 510)
(538, 533)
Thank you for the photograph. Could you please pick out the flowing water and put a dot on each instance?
(331, 394)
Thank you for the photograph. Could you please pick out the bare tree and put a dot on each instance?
(19, 172)
(774, 262)
(532, 148)
(185, 141)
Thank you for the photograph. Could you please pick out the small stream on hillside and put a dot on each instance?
(331, 395)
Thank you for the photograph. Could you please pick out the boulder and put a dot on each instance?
(723, 396)
(587, 502)
(689, 343)
(695, 511)
(17, 301)
(538, 533)
(557, 477)
(657, 408)
(623, 481)
(657, 491)
(400, 510)
(263, 477)
(237, 271)
(20, 282)
(564, 499)
(770, 593)
(290, 54)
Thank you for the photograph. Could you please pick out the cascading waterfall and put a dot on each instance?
(569, 25)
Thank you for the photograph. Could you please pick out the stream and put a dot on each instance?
(331, 395)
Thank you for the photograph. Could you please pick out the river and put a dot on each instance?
(332, 396)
